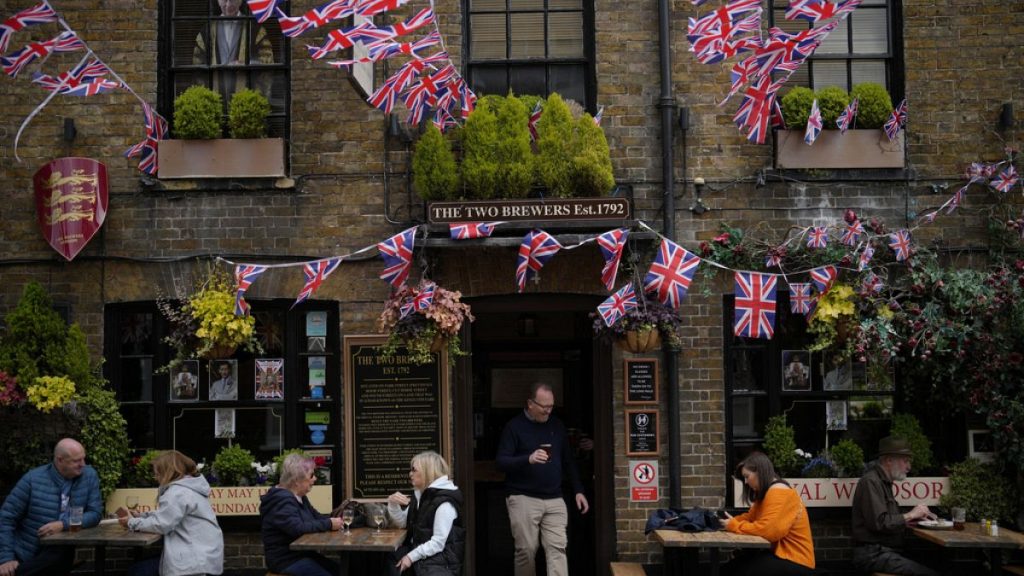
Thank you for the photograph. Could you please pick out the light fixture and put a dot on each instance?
(69, 130)
(698, 206)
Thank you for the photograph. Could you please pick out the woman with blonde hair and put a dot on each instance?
(193, 541)
(435, 540)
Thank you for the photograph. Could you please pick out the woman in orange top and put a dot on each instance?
(776, 514)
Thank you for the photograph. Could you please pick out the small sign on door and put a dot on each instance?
(643, 480)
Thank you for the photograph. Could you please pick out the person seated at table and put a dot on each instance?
(40, 505)
(776, 514)
(436, 539)
(286, 514)
(878, 524)
(193, 541)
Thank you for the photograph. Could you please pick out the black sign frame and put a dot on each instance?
(639, 436)
(641, 379)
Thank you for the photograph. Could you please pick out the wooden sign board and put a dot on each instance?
(641, 380)
(642, 436)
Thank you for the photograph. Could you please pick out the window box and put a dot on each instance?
(838, 492)
(222, 158)
(855, 149)
(226, 500)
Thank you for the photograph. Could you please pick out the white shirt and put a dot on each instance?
(443, 520)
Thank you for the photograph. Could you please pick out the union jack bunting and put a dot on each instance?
(421, 97)
(39, 14)
(755, 305)
(599, 116)
(156, 130)
(697, 2)
(817, 237)
(343, 38)
(722, 40)
(801, 300)
(468, 100)
(611, 244)
(754, 114)
(84, 71)
(852, 232)
(865, 258)
(774, 258)
(421, 300)
(16, 61)
(872, 284)
(617, 305)
(956, 199)
(245, 275)
(846, 119)
(813, 124)
(470, 230)
(671, 273)
(377, 51)
(263, 9)
(315, 273)
(534, 118)
(721, 18)
(823, 277)
(397, 254)
(385, 96)
(91, 88)
(293, 26)
(1006, 179)
(537, 248)
(368, 8)
(777, 120)
(815, 10)
(899, 241)
(897, 120)
(980, 171)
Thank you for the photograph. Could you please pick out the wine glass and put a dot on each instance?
(378, 518)
(347, 515)
(133, 503)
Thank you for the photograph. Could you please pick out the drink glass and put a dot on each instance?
(75, 518)
(959, 516)
(347, 515)
(547, 450)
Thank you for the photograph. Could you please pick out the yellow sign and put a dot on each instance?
(225, 500)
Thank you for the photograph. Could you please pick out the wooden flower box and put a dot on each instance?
(855, 149)
(221, 158)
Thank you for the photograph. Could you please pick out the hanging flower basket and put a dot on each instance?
(220, 351)
(423, 331)
(640, 341)
(643, 328)
(439, 343)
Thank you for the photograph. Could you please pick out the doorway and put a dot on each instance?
(515, 342)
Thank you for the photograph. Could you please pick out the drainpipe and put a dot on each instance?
(667, 106)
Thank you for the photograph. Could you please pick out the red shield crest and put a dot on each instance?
(71, 202)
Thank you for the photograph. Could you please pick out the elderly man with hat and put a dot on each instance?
(878, 524)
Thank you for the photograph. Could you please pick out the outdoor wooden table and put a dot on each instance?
(99, 537)
(689, 543)
(360, 540)
(971, 537)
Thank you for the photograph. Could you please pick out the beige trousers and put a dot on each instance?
(533, 519)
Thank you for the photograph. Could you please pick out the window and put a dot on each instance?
(863, 48)
(533, 47)
(217, 43)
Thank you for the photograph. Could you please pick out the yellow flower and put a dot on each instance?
(49, 392)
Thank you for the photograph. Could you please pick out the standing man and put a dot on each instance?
(878, 524)
(40, 505)
(227, 44)
(534, 454)
(225, 388)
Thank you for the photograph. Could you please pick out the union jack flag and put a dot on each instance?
(263, 9)
(956, 199)
(815, 10)
(899, 241)
(671, 273)
(468, 100)
(611, 244)
(1006, 179)
(39, 14)
(742, 72)
(980, 171)
(385, 96)
(774, 258)
(421, 300)
(755, 112)
(852, 232)
(470, 230)
(316, 273)
(721, 18)
(817, 237)
(897, 120)
(537, 248)
(813, 124)
(599, 116)
(343, 38)
(755, 305)
(865, 258)
(377, 51)
(85, 70)
(370, 8)
(293, 26)
(823, 277)
(421, 97)
(697, 2)
(91, 88)
(801, 300)
(397, 254)
(872, 284)
(16, 61)
(534, 118)
(156, 130)
(245, 275)
(847, 117)
(721, 41)
(617, 305)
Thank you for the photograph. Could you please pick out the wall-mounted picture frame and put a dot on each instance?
(835, 415)
(980, 445)
(185, 382)
(641, 379)
(269, 379)
(838, 373)
(796, 371)
(224, 423)
(642, 435)
(224, 380)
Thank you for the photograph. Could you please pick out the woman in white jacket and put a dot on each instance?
(193, 541)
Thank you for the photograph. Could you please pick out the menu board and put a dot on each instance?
(394, 409)
(641, 380)
(642, 432)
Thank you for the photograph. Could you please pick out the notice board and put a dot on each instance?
(641, 380)
(642, 438)
(394, 409)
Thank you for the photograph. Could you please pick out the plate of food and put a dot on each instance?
(939, 524)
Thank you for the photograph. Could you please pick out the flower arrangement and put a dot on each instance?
(819, 467)
(649, 314)
(49, 392)
(833, 318)
(10, 393)
(423, 331)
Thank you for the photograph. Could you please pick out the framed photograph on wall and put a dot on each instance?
(224, 379)
(835, 414)
(838, 373)
(796, 370)
(980, 445)
(224, 423)
(269, 379)
(185, 382)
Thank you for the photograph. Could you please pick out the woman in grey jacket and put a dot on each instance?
(193, 541)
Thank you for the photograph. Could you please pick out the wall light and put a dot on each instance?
(698, 206)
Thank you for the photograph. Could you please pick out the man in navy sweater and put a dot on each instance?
(534, 453)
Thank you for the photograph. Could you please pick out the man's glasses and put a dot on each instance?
(542, 406)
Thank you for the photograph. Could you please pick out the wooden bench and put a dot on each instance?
(628, 569)
(883, 574)
(1014, 569)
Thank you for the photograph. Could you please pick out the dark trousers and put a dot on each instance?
(764, 564)
(878, 558)
(313, 566)
(50, 561)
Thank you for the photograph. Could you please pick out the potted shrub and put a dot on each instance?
(848, 458)
(423, 332)
(984, 489)
(434, 173)
(644, 328)
(199, 151)
(233, 466)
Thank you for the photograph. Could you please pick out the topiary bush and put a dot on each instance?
(480, 151)
(434, 173)
(140, 472)
(848, 457)
(556, 148)
(907, 427)
(873, 104)
(796, 107)
(247, 114)
(514, 156)
(197, 114)
(780, 445)
(592, 165)
(832, 100)
(104, 435)
(983, 490)
(233, 465)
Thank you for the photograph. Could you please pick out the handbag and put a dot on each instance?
(358, 513)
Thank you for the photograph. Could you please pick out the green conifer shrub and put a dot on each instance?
(247, 114)
(832, 100)
(197, 114)
(434, 173)
(514, 156)
(796, 107)
(592, 165)
(873, 104)
(480, 151)
(556, 148)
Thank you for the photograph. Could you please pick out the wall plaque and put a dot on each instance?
(641, 380)
(394, 409)
(642, 438)
(532, 210)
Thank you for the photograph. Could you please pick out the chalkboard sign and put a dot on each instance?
(641, 380)
(642, 433)
(394, 409)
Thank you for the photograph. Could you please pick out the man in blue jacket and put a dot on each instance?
(40, 505)
(534, 453)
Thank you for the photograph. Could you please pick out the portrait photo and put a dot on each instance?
(796, 370)
(224, 380)
(835, 414)
(224, 423)
(269, 379)
(838, 373)
(185, 382)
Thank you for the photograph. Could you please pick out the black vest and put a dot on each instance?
(420, 523)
